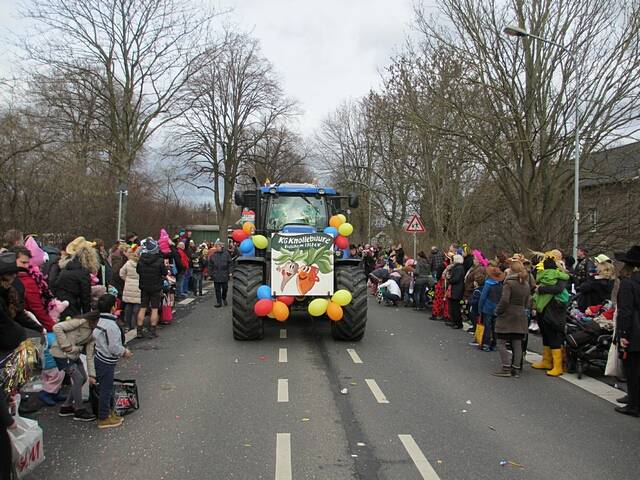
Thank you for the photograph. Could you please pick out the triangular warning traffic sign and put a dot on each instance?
(415, 225)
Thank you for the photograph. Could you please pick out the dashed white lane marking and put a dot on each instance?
(375, 389)
(283, 456)
(283, 390)
(186, 301)
(591, 385)
(282, 355)
(420, 461)
(354, 355)
(283, 333)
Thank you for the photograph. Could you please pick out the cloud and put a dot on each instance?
(326, 51)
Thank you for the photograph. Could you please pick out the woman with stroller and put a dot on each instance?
(628, 326)
(596, 290)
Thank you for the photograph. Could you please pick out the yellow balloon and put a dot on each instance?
(318, 306)
(342, 218)
(345, 229)
(342, 297)
(260, 241)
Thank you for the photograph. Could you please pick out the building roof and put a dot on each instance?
(204, 228)
(613, 165)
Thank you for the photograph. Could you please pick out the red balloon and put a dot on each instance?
(342, 242)
(239, 236)
(286, 299)
(263, 307)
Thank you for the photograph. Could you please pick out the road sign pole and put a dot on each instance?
(414, 245)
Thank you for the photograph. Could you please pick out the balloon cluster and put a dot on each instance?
(339, 229)
(267, 306)
(248, 240)
(332, 307)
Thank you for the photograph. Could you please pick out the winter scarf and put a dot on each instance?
(549, 278)
(41, 282)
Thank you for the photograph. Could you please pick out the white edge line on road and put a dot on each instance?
(130, 335)
(589, 384)
(283, 333)
(282, 355)
(283, 456)
(186, 301)
(420, 461)
(283, 390)
(375, 389)
(354, 355)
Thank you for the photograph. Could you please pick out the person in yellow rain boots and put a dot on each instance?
(550, 301)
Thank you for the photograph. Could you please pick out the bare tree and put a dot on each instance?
(280, 155)
(232, 103)
(514, 103)
(136, 56)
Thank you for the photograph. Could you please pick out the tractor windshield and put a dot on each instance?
(297, 210)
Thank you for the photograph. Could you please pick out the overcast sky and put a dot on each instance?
(325, 51)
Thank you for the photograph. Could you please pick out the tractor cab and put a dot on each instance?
(293, 207)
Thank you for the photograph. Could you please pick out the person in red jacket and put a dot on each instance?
(34, 288)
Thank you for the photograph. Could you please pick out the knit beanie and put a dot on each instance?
(149, 245)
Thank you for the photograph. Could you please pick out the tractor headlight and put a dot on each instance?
(321, 191)
(273, 190)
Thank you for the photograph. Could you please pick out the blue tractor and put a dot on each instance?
(301, 261)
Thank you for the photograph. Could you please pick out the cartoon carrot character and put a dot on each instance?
(307, 278)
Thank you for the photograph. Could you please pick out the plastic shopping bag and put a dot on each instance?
(479, 333)
(614, 364)
(125, 396)
(26, 444)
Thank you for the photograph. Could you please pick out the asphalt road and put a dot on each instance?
(420, 405)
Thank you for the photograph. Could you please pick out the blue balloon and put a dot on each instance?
(333, 231)
(264, 292)
(246, 246)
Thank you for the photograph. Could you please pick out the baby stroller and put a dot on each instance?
(587, 345)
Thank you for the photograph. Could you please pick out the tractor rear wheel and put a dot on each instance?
(352, 326)
(247, 277)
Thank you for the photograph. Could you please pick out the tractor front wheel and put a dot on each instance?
(247, 277)
(352, 326)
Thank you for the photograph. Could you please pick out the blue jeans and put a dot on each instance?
(489, 337)
(185, 282)
(179, 282)
(104, 376)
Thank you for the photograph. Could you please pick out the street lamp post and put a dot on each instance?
(515, 31)
(121, 192)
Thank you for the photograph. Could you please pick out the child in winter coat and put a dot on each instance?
(72, 336)
(491, 293)
(109, 349)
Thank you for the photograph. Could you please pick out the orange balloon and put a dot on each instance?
(248, 228)
(334, 311)
(280, 311)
